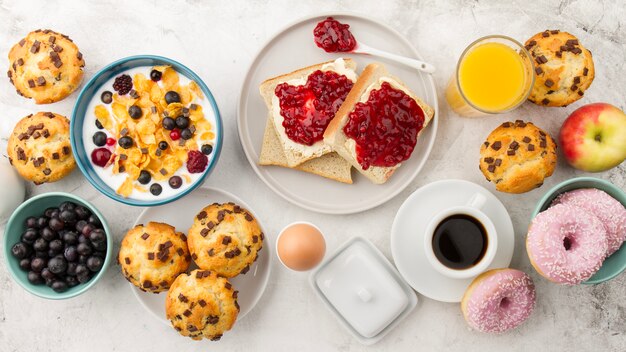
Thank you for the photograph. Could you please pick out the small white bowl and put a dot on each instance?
(290, 225)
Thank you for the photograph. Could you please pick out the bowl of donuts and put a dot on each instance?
(577, 232)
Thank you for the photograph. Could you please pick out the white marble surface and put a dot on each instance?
(218, 40)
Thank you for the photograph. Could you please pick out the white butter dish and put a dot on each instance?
(366, 293)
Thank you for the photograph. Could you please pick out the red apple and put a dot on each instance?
(593, 138)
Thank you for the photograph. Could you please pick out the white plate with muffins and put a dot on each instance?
(306, 189)
(226, 253)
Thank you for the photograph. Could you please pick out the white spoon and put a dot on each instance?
(416, 64)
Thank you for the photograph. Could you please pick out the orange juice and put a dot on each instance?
(492, 77)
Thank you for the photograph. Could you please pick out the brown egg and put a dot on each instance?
(301, 246)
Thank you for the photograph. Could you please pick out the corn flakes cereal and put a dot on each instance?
(155, 124)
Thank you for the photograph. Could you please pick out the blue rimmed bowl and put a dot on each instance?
(616, 263)
(35, 206)
(80, 111)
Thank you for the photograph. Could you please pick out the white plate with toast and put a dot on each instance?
(180, 214)
(293, 48)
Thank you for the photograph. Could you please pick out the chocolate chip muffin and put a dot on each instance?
(517, 157)
(152, 256)
(202, 305)
(225, 238)
(45, 66)
(39, 147)
(563, 68)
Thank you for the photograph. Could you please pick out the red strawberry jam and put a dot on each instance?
(385, 127)
(334, 36)
(308, 109)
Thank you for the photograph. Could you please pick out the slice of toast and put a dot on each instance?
(294, 153)
(344, 146)
(329, 165)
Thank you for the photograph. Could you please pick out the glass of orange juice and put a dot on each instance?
(493, 75)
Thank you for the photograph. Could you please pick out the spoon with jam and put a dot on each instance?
(334, 36)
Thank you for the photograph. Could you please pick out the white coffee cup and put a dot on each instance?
(472, 209)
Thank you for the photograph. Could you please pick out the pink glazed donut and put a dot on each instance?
(610, 212)
(566, 244)
(498, 300)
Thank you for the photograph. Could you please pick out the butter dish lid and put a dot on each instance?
(366, 293)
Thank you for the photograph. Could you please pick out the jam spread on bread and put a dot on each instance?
(385, 127)
(308, 109)
(334, 36)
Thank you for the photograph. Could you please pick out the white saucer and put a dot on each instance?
(180, 214)
(407, 231)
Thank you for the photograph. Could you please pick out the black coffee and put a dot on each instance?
(460, 241)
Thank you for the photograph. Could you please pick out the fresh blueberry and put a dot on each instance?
(71, 269)
(57, 265)
(35, 278)
(94, 264)
(206, 149)
(47, 234)
(68, 216)
(144, 177)
(82, 278)
(100, 246)
(71, 281)
(25, 264)
(67, 206)
(156, 189)
(82, 213)
(29, 236)
(186, 134)
(155, 75)
(56, 246)
(84, 249)
(106, 97)
(135, 112)
(31, 222)
(56, 224)
(172, 97)
(99, 138)
(59, 286)
(82, 269)
(94, 220)
(125, 142)
(87, 230)
(182, 122)
(97, 235)
(175, 182)
(37, 264)
(20, 250)
(48, 212)
(168, 123)
(71, 253)
(47, 274)
(70, 238)
(42, 222)
(80, 224)
(40, 245)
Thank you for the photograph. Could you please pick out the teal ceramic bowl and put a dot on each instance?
(35, 206)
(80, 110)
(616, 263)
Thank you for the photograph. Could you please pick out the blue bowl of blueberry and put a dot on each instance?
(146, 131)
(57, 245)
